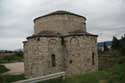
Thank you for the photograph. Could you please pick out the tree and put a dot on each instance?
(105, 47)
(115, 43)
(122, 45)
(119, 45)
(19, 53)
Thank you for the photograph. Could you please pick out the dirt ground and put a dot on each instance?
(15, 68)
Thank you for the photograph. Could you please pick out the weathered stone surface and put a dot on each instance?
(60, 23)
(73, 53)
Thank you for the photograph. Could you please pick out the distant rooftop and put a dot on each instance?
(60, 12)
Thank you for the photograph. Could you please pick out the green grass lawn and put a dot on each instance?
(11, 59)
(3, 69)
(114, 75)
(9, 78)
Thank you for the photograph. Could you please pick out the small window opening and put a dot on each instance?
(70, 61)
(53, 60)
(62, 41)
(93, 56)
(38, 39)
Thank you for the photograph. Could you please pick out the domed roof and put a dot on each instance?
(60, 12)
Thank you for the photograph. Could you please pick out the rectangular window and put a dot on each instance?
(93, 56)
(53, 60)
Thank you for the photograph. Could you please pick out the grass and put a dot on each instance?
(57, 80)
(3, 69)
(114, 75)
(17, 57)
(11, 78)
(10, 59)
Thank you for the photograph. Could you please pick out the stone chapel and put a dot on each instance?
(60, 43)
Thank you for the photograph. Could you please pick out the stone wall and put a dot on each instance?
(38, 53)
(106, 61)
(80, 50)
(74, 55)
(60, 23)
(56, 50)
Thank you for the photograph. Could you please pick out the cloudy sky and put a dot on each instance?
(104, 17)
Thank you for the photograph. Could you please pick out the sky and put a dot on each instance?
(106, 18)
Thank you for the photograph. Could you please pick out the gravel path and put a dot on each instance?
(15, 68)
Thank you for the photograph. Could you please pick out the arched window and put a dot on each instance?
(53, 59)
(93, 57)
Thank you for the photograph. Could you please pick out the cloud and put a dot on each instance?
(104, 17)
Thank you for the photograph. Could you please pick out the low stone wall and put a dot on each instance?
(105, 61)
